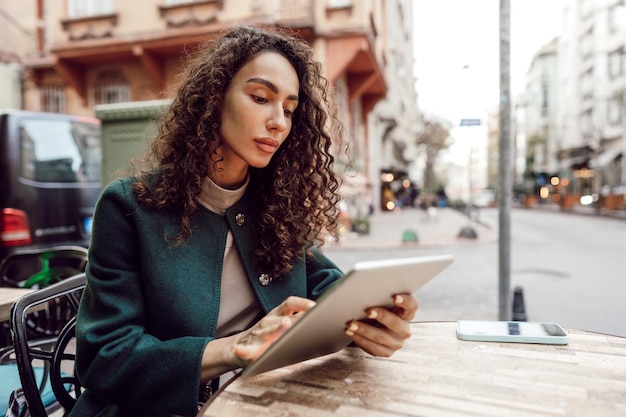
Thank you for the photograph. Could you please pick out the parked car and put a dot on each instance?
(485, 198)
(50, 178)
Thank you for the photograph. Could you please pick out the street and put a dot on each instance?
(570, 266)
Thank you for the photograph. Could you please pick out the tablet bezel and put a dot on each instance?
(321, 330)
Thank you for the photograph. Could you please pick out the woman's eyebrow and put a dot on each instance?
(271, 86)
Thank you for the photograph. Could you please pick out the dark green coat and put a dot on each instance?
(150, 308)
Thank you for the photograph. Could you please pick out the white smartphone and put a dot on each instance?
(511, 331)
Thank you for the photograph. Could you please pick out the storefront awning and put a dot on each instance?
(576, 152)
(606, 157)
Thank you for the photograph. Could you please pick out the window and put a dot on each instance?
(587, 45)
(544, 99)
(60, 151)
(83, 8)
(111, 87)
(586, 125)
(339, 4)
(53, 99)
(614, 111)
(586, 85)
(177, 2)
(586, 8)
(616, 63)
(342, 99)
(617, 17)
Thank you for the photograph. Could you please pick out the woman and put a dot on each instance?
(204, 257)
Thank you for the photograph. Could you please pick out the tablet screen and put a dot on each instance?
(368, 284)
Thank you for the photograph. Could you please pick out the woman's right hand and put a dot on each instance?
(252, 343)
(232, 352)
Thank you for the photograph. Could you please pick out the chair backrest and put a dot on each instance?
(62, 378)
(65, 385)
(38, 268)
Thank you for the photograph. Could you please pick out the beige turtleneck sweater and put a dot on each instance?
(239, 306)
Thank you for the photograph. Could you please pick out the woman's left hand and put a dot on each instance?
(385, 330)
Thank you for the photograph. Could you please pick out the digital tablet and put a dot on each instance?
(368, 284)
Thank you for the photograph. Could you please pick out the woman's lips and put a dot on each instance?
(268, 145)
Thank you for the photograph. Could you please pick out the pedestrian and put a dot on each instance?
(209, 249)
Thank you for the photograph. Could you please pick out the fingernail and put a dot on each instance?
(399, 299)
(353, 327)
(372, 314)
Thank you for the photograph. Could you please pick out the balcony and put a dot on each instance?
(90, 27)
(191, 13)
(296, 13)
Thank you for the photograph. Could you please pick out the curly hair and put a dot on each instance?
(297, 191)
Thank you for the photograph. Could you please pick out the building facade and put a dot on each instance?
(85, 53)
(593, 122)
(20, 38)
(395, 119)
(574, 110)
(540, 136)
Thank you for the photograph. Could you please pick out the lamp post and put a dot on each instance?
(504, 168)
(470, 200)
(468, 231)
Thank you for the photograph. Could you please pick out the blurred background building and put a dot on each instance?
(571, 118)
(69, 56)
(20, 38)
(569, 123)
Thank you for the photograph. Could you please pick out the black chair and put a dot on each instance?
(45, 365)
(10, 385)
(38, 268)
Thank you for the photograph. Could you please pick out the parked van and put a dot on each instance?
(50, 179)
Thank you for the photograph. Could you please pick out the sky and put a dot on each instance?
(457, 51)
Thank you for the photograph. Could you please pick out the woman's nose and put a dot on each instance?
(277, 120)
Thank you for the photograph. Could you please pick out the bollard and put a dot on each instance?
(468, 233)
(409, 236)
(519, 311)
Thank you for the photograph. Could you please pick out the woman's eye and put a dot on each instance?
(288, 113)
(259, 99)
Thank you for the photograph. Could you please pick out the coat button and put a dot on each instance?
(240, 219)
(265, 280)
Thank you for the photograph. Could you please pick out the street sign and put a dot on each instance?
(470, 122)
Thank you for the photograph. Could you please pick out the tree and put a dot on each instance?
(433, 137)
(534, 143)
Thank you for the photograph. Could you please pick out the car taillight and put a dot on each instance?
(14, 229)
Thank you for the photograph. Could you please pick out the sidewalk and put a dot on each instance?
(582, 210)
(390, 229)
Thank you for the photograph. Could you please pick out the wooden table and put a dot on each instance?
(436, 374)
(8, 296)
